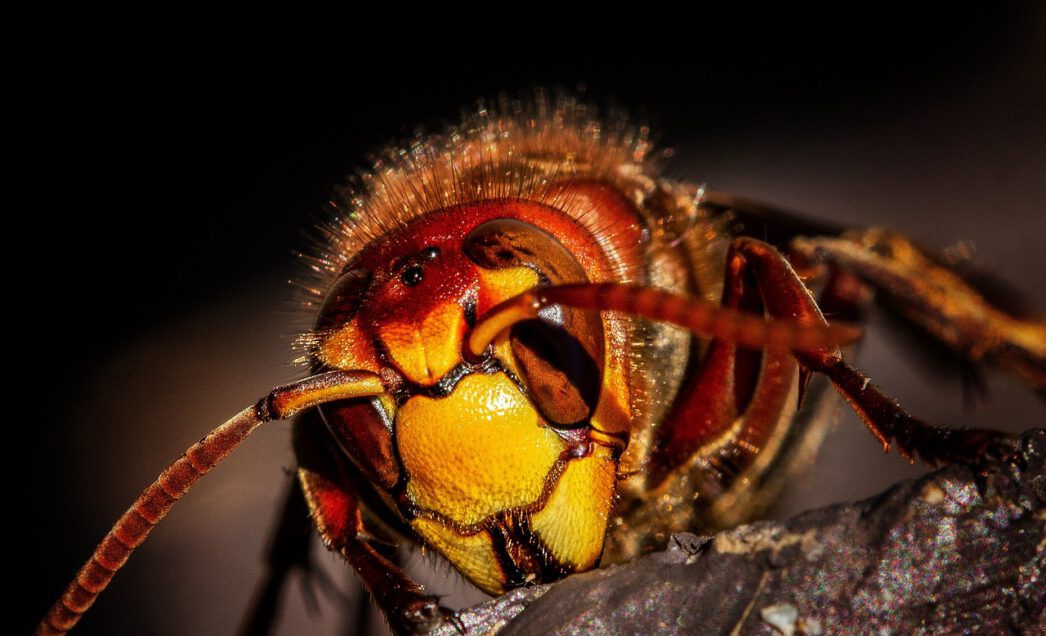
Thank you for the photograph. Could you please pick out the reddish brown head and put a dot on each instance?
(490, 460)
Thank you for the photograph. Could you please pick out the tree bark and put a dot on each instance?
(959, 551)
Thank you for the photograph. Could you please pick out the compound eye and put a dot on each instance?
(344, 299)
(560, 355)
(412, 276)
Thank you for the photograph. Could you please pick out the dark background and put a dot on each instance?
(170, 175)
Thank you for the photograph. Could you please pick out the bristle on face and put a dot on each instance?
(525, 148)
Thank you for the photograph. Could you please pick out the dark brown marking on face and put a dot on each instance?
(521, 555)
(560, 355)
(344, 299)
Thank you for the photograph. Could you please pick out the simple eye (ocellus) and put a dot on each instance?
(412, 276)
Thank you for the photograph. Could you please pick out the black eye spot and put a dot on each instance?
(412, 276)
(430, 253)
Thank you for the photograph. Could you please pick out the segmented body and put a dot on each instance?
(486, 492)
(495, 374)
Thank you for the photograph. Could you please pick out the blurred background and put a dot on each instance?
(170, 175)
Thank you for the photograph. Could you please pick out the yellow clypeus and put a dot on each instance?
(476, 452)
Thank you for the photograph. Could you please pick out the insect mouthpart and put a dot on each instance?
(402, 389)
(514, 364)
(502, 494)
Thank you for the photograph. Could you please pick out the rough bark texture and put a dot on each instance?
(959, 551)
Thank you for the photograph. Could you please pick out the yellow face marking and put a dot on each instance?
(476, 452)
(484, 449)
(426, 350)
(501, 284)
(473, 555)
(347, 348)
(573, 522)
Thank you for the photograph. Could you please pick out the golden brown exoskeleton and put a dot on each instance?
(534, 354)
